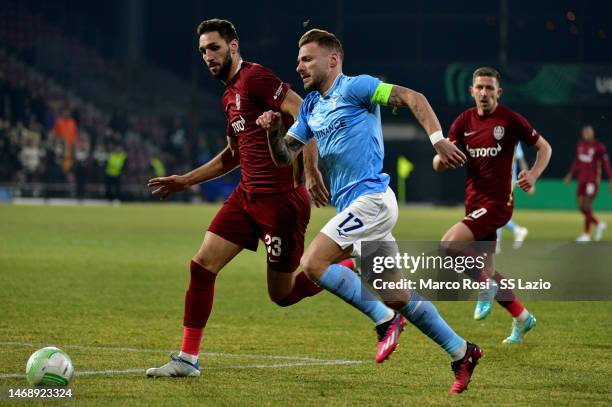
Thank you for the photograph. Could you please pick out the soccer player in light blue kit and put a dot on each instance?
(342, 113)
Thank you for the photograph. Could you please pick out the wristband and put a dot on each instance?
(435, 137)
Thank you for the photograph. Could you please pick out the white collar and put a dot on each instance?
(239, 66)
(333, 85)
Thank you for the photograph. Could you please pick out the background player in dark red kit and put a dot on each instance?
(489, 133)
(591, 156)
(269, 204)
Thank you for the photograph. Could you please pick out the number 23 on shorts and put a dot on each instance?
(273, 245)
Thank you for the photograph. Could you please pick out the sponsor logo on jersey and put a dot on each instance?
(338, 124)
(498, 132)
(468, 133)
(237, 102)
(588, 157)
(482, 152)
(238, 125)
(278, 91)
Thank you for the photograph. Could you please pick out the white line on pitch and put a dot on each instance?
(129, 371)
(215, 354)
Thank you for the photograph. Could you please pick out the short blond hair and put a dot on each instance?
(322, 38)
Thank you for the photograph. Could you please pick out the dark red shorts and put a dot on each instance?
(484, 220)
(588, 189)
(278, 219)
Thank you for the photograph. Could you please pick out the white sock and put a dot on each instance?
(189, 358)
(460, 353)
(523, 316)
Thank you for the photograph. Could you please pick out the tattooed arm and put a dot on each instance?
(283, 149)
(448, 153)
(418, 104)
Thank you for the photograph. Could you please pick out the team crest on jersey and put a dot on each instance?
(334, 101)
(498, 132)
(237, 101)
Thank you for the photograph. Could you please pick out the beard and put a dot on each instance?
(224, 68)
(312, 85)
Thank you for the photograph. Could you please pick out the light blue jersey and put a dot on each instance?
(518, 155)
(346, 125)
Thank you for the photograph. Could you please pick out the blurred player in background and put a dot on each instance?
(269, 204)
(343, 114)
(591, 156)
(489, 133)
(519, 232)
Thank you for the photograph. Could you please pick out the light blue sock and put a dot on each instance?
(510, 225)
(499, 234)
(424, 315)
(345, 284)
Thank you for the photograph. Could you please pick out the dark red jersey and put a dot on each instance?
(490, 144)
(589, 157)
(253, 90)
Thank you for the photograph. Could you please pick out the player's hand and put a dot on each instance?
(316, 187)
(269, 121)
(532, 190)
(526, 180)
(566, 180)
(166, 186)
(450, 155)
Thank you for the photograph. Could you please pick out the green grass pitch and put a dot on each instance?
(106, 284)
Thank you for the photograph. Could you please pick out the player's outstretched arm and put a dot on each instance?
(283, 150)
(224, 162)
(528, 178)
(605, 163)
(571, 172)
(314, 179)
(450, 156)
(315, 185)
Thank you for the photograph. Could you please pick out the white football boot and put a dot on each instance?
(177, 367)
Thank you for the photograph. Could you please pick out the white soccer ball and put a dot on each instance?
(49, 366)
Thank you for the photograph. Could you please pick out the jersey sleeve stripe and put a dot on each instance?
(298, 138)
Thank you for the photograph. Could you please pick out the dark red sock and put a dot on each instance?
(507, 299)
(476, 274)
(588, 216)
(592, 217)
(198, 304)
(192, 337)
(515, 308)
(348, 263)
(302, 287)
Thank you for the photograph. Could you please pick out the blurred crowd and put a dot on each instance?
(54, 144)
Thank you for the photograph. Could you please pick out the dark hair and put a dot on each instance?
(322, 38)
(224, 27)
(487, 71)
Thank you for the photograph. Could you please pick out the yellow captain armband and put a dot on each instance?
(381, 94)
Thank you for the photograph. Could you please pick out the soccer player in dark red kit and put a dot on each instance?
(270, 203)
(591, 156)
(489, 133)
